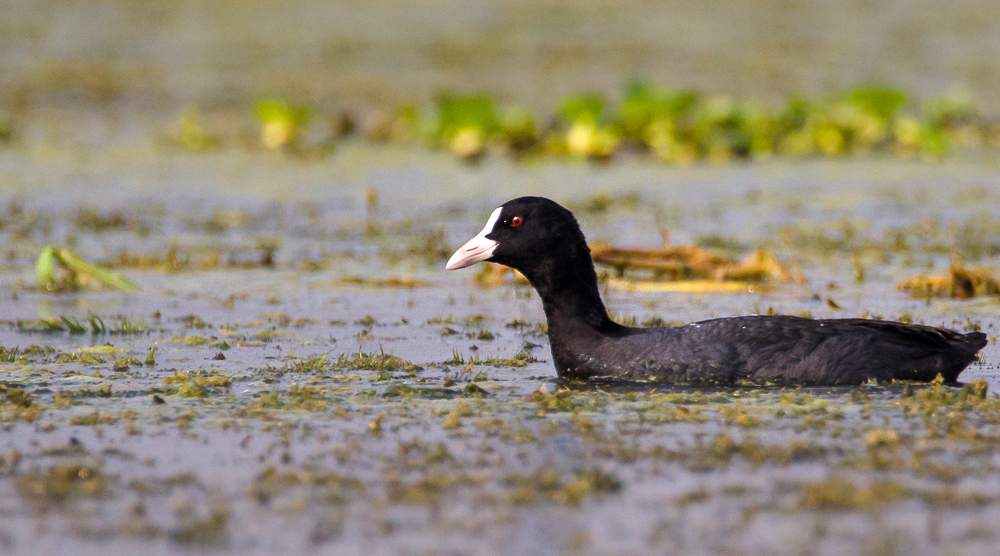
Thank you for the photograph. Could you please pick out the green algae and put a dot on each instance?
(210, 530)
(839, 494)
(325, 487)
(679, 127)
(18, 405)
(550, 485)
(63, 483)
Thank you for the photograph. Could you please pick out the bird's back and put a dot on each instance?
(775, 349)
(849, 351)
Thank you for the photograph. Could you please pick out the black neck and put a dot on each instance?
(569, 292)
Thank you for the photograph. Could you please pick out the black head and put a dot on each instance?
(542, 240)
(524, 233)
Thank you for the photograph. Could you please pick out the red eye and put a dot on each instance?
(516, 221)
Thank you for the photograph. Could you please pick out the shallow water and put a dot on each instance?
(391, 461)
(275, 450)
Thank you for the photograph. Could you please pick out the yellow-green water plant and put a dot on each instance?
(861, 119)
(872, 110)
(281, 123)
(589, 134)
(518, 131)
(946, 122)
(678, 126)
(466, 123)
(121, 326)
(659, 120)
(725, 128)
(76, 274)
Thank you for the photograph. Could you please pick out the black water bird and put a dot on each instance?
(543, 241)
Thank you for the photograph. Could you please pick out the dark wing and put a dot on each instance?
(844, 351)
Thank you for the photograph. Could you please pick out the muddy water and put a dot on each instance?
(383, 446)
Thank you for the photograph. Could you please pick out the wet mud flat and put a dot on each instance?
(318, 383)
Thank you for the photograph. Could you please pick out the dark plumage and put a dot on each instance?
(543, 241)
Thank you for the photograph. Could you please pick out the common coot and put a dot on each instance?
(543, 241)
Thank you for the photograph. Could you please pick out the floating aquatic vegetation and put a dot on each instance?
(682, 127)
(520, 359)
(77, 274)
(857, 120)
(103, 391)
(201, 258)
(307, 398)
(324, 486)
(518, 131)
(404, 390)
(202, 379)
(454, 418)
(210, 530)
(589, 134)
(926, 401)
(281, 124)
(959, 283)
(465, 123)
(646, 106)
(122, 325)
(694, 267)
(548, 484)
(841, 494)
(18, 355)
(740, 416)
(561, 400)
(689, 269)
(63, 482)
(669, 262)
(94, 220)
(381, 361)
(18, 405)
(426, 490)
(93, 419)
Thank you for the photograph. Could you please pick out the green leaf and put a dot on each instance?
(456, 113)
(583, 108)
(107, 277)
(271, 109)
(644, 104)
(45, 272)
(878, 100)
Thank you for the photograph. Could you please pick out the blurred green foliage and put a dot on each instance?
(683, 127)
(679, 127)
(281, 123)
(76, 274)
(465, 123)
